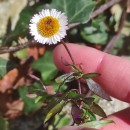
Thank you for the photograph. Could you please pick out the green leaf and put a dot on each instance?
(90, 75)
(23, 22)
(96, 109)
(74, 95)
(65, 78)
(75, 69)
(97, 124)
(91, 116)
(100, 23)
(46, 66)
(3, 124)
(97, 32)
(62, 119)
(96, 38)
(77, 11)
(56, 109)
(29, 103)
(5, 66)
(22, 54)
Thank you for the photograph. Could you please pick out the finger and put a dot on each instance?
(115, 71)
(121, 119)
(76, 128)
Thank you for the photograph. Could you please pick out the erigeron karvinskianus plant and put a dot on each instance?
(49, 27)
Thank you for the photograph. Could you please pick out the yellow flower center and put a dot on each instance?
(48, 26)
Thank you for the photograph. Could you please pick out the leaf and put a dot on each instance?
(23, 22)
(97, 33)
(3, 124)
(76, 113)
(100, 23)
(22, 54)
(96, 38)
(89, 100)
(65, 78)
(17, 105)
(76, 11)
(90, 75)
(74, 95)
(62, 120)
(96, 109)
(97, 124)
(5, 66)
(29, 104)
(45, 66)
(96, 88)
(56, 109)
(78, 71)
(91, 115)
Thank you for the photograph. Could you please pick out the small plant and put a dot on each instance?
(49, 27)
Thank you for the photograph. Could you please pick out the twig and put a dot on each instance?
(112, 42)
(98, 11)
(104, 7)
(15, 48)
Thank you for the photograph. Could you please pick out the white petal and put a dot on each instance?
(35, 19)
(56, 37)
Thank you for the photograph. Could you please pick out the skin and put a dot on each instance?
(115, 77)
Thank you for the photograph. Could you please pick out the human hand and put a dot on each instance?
(115, 76)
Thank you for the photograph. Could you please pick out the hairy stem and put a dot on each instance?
(68, 52)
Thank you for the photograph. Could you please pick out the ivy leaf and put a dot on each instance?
(97, 33)
(97, 89)
(96, 38)
(77, 11)
(56, 109)
(45, 66)
(5, 66)
(23, 22)
(90, 75)
(29, 103)
(97, 124)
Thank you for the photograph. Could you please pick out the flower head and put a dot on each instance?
(49, 26)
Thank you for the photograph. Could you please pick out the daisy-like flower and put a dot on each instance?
(49, 26)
